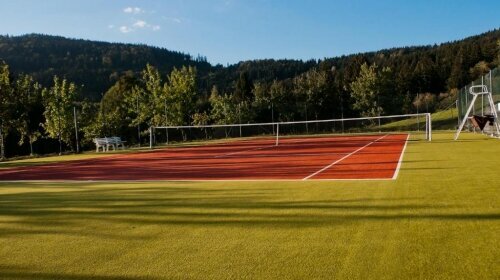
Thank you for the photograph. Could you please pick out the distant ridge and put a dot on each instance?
(97, 65)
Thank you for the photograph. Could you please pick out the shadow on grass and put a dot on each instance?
(71, 212)
(7, 272)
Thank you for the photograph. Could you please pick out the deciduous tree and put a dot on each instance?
(59, 101)
(29, 107)
(6, 105)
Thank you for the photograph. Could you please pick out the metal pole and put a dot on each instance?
(418, 119)
(76, 130)
(466, 104)
(342, 111)
(239, 116)
(307, 127)
(464, 120)
(151, 137)
(427, 126)
(166, 120)
(138, 125)
(430, 126)
(491, 87)
(473, 107)
(272, 114)
(482, 97)
(277, 133)
(378, 109)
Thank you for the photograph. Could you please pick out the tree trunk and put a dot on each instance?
(2, 146)
(60, 144)
(31, 146)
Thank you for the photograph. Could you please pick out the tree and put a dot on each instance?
(311, 88)
(137, 107)
(425, 100)
(90, 121)
(223, 109)
(479, 69)
(154, 96)
(114, 112)
(390, 101)
(263, 102)
(243, 89)
(29, 109)
(285, 104)
(497, 62)
(7, 98)
(145, 100)
(365, 91)
(59, 102)
(201, 119)
(180, 93)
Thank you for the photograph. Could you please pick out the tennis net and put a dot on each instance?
(419, 126)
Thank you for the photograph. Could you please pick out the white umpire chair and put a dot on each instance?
(476, 91)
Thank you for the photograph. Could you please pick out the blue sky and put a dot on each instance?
(228, 31)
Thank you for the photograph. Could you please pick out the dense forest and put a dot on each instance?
(119, 89)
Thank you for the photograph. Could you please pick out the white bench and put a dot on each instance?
(107, 142)
(117, 141)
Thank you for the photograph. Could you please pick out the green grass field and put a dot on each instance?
(439, 220)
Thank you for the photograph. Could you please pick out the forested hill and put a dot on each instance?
(123, 89)
(96, 65)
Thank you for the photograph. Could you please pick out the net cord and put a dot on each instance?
(292, 122)
(428, 124)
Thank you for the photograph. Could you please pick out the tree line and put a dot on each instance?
(38, 115)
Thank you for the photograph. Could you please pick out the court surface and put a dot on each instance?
(296, 158)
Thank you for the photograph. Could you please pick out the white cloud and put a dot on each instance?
(133, 10)
(140, 24)
(136, 24)
(173, 19)
(125, 29)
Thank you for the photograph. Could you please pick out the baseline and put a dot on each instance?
(400, 162)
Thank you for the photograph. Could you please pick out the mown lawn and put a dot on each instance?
(439, 220)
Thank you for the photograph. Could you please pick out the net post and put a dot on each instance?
(277, 133)
(426, 127)
(151, 137)
(429, 124)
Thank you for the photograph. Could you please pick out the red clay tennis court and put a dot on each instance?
(298, 158)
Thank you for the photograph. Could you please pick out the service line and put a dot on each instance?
(342, 158)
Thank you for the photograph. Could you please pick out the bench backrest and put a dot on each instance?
(108, 140)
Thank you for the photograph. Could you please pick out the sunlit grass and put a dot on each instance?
(439, 220)
(442, 120)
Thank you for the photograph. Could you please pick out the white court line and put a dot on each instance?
(296, 155)
(244, 151)
(185, 180)
(341, 159)
(400, 159)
